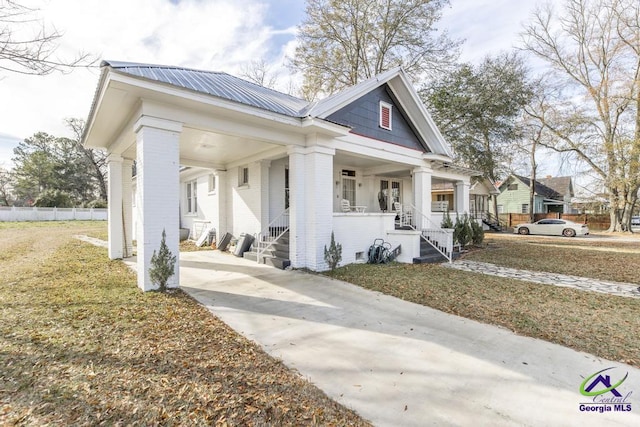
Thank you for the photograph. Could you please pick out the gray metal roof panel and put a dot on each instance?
(218, 84)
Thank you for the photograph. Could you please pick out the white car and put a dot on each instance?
(553, 227)
(635, 220)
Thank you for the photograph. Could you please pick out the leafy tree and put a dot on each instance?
(477, 108)
(46, 163)
(54, 198)
(27, 46)
(162, 264)
(342, 42)
(592, 50)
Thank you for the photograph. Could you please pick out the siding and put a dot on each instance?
(362, 116)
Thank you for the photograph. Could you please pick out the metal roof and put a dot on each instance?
(218, 84)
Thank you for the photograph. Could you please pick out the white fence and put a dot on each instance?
(51, 214)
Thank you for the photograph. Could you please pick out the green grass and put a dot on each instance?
(81, 345)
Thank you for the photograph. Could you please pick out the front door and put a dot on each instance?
(391, 191)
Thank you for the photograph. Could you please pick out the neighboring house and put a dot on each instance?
(551, 195)
(212, 148)
(480, 198)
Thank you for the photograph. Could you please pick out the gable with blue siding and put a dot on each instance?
(363, 116)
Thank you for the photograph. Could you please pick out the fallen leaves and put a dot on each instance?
(82, 345)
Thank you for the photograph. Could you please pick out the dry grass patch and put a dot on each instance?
(605, 260)
(603, 325)
(81, 345)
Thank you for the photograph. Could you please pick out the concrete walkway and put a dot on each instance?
(563, 280)
(398, 363)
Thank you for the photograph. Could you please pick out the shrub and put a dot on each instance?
(462, 232)
(446, 220)
(162, 264)
(333, 255)
(477, 232)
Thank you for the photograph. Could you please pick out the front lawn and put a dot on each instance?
(81, 345)
(603, 325)
(609, 259)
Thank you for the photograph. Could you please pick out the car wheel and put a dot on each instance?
(569, 232)
(523, 230)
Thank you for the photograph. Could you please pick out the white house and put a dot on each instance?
(247, 159)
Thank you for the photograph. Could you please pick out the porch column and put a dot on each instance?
(127, 207)
(422, 195)
(220, 221)
(319, 204)
(297, 223)
(264, 193)
(462, 197)
(115, 190)
(158, 186)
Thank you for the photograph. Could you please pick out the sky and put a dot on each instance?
(220, 35)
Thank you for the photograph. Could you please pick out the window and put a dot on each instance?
(349, 186)
(385, 115)
(243, 176)
(192, 197)
(212, 183)
(500, 209)
(525, 208)
(512, 187)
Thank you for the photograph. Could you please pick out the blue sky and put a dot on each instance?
(207, 34)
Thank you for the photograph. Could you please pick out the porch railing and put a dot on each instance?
(440, 206)
(269, 235)
(439, 238)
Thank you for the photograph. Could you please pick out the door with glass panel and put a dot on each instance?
(390, 193)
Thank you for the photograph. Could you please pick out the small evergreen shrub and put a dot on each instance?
(477, 233)
(162, 264)
(462, 230)
(333, 255)
(446, 220)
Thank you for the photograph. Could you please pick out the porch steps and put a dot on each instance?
(492, 225)
(277, 255)
(430, 255)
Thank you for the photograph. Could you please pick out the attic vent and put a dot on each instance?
(385, 115)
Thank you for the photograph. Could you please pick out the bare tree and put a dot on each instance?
(6, 195)
(342, 42)
(259, 72)
(593, 49)
(97, 158)
(27, 46)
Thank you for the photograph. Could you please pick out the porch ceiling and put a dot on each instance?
(373, 166)
(216, 150)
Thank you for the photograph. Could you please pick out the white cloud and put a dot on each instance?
(212, 35)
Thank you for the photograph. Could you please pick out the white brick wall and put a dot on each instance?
(158, 190)
(356, 232)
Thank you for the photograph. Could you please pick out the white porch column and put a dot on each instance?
(462, 197)
(319, 204)
(297, 193)
(264, 193)
(127, 207)
(220, 220)
(114, 182)
(422, 195)
(158, 186)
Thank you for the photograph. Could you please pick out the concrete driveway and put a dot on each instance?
(398, 363)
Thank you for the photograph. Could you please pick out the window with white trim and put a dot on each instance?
(500, 209)
(192, 197)
(386, 115)
(525, 208)
(243, 176)
(212, 183)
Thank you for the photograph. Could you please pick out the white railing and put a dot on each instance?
(440, 206)
(269, 235)
(14, 213)
(440, 238)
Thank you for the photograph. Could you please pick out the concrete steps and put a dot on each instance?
(277, 255)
